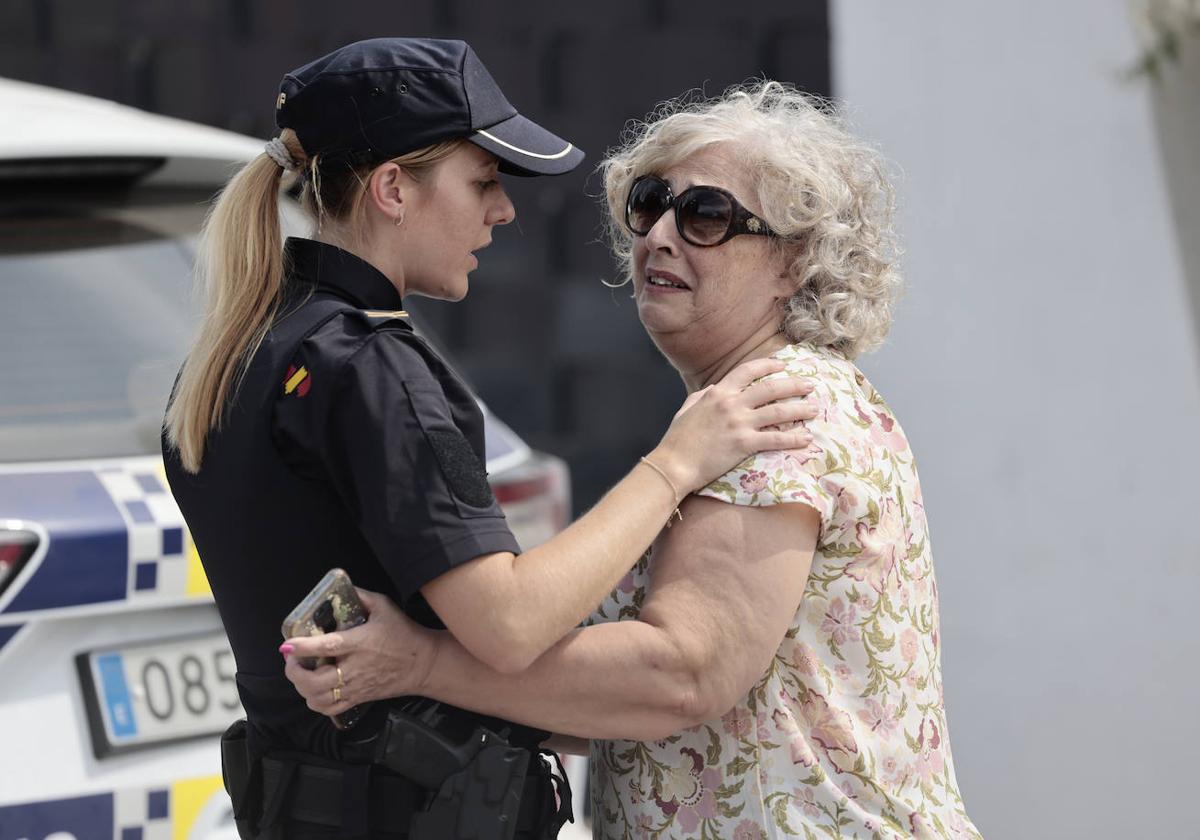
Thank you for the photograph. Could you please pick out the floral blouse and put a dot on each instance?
(844, 736)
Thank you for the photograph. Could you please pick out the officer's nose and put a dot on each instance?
(502, 211)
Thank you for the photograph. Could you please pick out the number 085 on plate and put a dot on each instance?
(151, 693)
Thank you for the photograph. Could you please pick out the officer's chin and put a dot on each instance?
(450, 292)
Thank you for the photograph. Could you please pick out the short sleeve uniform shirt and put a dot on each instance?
(349, 444)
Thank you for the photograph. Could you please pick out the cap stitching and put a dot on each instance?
(381, 70)
(462, 72)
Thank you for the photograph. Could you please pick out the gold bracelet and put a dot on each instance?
(674, 491)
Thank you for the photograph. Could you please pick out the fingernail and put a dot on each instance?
(285, 649)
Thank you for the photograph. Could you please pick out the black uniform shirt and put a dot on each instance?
(350, 443)
(381, 417)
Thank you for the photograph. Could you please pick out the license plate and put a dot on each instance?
(153, 693)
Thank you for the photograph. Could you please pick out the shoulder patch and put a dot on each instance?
(464, 473)
(297, 381)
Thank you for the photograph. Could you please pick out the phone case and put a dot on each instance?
(332, 605)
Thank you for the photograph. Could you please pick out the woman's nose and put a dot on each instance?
(663, 234)
(503, 211)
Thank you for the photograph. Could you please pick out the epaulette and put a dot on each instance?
(381, 318)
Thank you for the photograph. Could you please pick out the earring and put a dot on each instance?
(399, 220)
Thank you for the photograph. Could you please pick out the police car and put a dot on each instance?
(115, 675)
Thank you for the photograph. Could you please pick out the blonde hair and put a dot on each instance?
(240, 272)
(826, 193)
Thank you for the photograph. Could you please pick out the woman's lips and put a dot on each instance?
(664, 281)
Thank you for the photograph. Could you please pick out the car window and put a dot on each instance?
(96, 312)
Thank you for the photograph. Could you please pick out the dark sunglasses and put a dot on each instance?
(705, 216)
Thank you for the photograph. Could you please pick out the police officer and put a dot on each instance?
(310, 427)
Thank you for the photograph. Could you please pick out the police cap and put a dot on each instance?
(381, 98)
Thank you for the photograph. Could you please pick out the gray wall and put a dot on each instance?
(1044, 365)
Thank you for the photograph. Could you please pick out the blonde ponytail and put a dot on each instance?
(239, 267)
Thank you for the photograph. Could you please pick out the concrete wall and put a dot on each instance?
(1044, 365)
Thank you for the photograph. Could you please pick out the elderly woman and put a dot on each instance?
(771, 667)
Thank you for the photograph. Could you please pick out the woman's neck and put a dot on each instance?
(697, 374)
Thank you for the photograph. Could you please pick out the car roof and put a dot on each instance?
(48, 123)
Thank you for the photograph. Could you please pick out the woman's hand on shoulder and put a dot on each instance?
(388, 656)
(720, 426)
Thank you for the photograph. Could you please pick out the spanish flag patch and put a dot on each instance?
(297, 381)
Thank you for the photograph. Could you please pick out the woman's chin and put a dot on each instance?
(659, 315)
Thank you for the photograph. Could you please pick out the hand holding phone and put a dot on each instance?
(332, 605)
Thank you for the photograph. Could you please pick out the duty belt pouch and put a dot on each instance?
(238, 771)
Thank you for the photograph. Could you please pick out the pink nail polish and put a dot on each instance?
(285, 649)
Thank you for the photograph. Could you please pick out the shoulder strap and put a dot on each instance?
(294, 325)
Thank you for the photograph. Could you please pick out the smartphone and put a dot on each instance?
(331, 606)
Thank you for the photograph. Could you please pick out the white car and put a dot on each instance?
(115, 675)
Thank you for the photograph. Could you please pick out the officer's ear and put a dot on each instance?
(390, 191)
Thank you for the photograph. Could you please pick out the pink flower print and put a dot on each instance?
(863, 417)
(881, 547)
(802, 457)
(935, 738)
(919, 825)
(754, 481)
(798, 746)
(764, 727)
(930, 762)
(842, 671)
(839, 622)
(808, 804)
(688, 791)
(861, 455)
(909, 644)
(747, 830)
(892, 771)
(626, 584)
(643, 827)
(829, 727)
(846, 786)
(880, 717)
(737, 722)
(805, 659)
(844, 500)
(886, 432)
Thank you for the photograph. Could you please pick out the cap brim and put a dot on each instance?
(525, 148)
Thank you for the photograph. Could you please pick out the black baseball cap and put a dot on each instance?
(381, 98)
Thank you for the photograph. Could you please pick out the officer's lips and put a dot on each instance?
(475, 259)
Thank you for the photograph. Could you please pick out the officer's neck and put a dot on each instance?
(386, 261)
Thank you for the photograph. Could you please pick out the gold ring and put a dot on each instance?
(337, 694)
(341, 680)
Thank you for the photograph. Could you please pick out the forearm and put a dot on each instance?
(625, 679)
(568, 744)
(555, 586)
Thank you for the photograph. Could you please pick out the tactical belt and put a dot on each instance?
(501, 792)
(313, 793)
